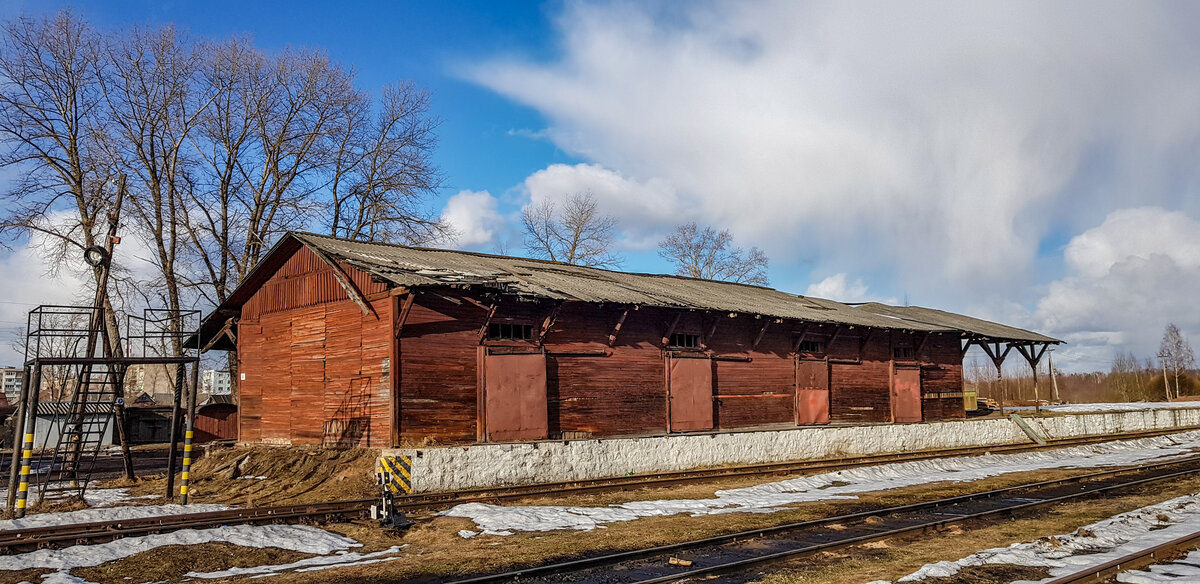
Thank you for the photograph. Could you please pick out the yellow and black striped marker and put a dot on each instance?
(26, 464)
(396, 474)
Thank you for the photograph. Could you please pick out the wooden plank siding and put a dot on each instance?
(320, 371)
(313, 362)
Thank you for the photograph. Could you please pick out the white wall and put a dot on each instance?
(489, 465)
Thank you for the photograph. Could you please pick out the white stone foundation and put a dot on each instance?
(492, 465)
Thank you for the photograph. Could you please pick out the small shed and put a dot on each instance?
(216, 421)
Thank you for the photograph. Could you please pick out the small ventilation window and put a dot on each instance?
(502, 331)
(905, 353)
(812, 347)
(685, 341)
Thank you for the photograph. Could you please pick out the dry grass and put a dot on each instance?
(170, 563)
(293, 475)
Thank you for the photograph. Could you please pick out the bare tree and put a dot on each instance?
(382, 172)
(575, 234)
(709, 254)
(1176, 355)
(51, 111)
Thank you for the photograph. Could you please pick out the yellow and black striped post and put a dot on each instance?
(35, 383)
(187, 465)
(397, 474)
(26, 464)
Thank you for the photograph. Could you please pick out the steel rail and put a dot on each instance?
(616, 558)
(1141, 559)
(81, 533)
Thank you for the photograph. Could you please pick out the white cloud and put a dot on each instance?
(475, 217)
(936, 143)
(839, 287)
(25, 282)
(644, 210)
(1130, 276)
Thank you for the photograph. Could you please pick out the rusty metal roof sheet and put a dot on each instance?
(414, 267)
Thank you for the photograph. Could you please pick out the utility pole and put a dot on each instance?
(1053, 377)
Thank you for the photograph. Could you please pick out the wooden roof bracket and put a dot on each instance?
(487, 320)
(548, 322)
(800, 339)
(712, 330)
(761, 332)
(862, 342)
(347, 284)
(967, 345)
(226, 331)
(837, 331)
(666, 340)
(612, 338)
(921, 345)
(402, 315)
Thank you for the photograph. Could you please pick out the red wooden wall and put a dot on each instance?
(316, 369)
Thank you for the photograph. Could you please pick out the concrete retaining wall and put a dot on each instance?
(490, 465)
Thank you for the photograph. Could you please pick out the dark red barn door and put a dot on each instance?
(812, 391)
(689, 385)
(514, 389)
(906, 395)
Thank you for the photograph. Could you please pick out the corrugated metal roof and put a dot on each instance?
(64, 408)
(983, 328)
(414, 267)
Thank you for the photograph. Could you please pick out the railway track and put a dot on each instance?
(1108, 571)
(727, 558)
(25, 539)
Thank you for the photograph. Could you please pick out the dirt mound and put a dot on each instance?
(276, 475)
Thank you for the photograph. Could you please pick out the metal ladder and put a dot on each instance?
(83, 424)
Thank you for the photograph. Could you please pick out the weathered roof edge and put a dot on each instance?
(906, 318)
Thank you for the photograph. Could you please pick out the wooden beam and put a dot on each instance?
(967, 346)
(487, 320)
(225, 331)
(712, 330)
(762, 331)
(862, 342)
(548, 321)
(666, 340)
(347, 284)
(402, 314)
(837, 331)
(612, 338)
(921, 345)
(800, 339)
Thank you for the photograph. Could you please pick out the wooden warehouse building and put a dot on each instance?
(352, 343)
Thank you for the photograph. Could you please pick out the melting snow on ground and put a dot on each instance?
(93, 497)
(1186, 569)
(331, 549)
(105, 514)
(842, 484)
(1093, 545)
(1112, 407)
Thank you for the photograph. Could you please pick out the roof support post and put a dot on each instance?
(997, 360)
(1033, 360)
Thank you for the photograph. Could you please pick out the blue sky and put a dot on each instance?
(1026, 162)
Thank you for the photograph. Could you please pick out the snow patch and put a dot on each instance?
(342, 558)
(1092, 545)
(106, 514)
(842, 484)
